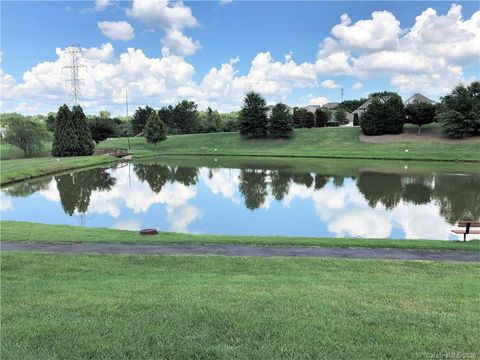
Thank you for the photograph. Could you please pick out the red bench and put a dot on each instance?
(468, 225)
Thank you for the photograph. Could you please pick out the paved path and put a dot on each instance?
(246, 250)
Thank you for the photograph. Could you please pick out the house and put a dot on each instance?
(362, 108)
(270, 109)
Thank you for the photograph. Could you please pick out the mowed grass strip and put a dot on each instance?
(180, 307)
(63, 234)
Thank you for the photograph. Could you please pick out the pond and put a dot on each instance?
(245, 196)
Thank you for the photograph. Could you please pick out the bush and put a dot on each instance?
(155, 129)
(356, 120)
(280, 122)
(299, 117)
(25, 133)
(333, 123)
(420, 113)
(253, 122)
(308, 120)
(460, 111)
(384, 115)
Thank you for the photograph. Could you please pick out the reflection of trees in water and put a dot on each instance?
(25, 189)
(186, 175)
(458, 197)
(305, 179)
(338, 181)
(380, 187)
(75, 189)
(253, 186)
(320, 181)
(157, 175)
(280, 183)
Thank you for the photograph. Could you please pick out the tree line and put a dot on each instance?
(457, 112)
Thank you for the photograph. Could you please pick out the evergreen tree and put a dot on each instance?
(309, 119)
(185, 116)
(65, 138)
(140, 118)
(50, 122)
(385, 114)
(341, 116)
(299, 115)
(253, 186)
(253, 122)
(321, 118)
(420, 113)
(85, 142)
(280, 183)
(166, 115)
(460, 111)
(280, 122)
(155, 129)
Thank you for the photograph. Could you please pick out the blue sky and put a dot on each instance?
(212, 52)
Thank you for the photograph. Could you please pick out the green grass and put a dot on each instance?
(41, 233)
(151, 307)
(330, 142)
(22, 169)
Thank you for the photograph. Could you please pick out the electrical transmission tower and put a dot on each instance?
(74, 53)
(341, 93)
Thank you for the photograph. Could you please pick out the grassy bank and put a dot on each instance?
(329, 142)
(31, 232)
(139, 307)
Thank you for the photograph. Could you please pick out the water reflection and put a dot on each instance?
(253, 200)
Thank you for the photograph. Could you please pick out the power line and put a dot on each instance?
(74, 52)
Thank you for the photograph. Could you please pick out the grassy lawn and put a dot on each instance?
(152, 307)
(330, 142)
(31, 232)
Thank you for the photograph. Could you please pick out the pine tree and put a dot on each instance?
(321, 118)
(253, 122)
(65, 138)
(280, 122)
(384, 115)
(308, 119)
(155, 129)
(85, 142)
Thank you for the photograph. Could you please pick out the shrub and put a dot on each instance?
(420, 113)
(308, 120)
(460, 111)
(253, 122)
(299, 117)
(333, 123)
(384, 115)
(280, 122)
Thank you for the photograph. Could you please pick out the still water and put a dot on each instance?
(238, 196)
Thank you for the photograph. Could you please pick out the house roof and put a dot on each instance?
(419, 97)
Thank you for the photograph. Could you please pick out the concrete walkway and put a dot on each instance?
(246, 250)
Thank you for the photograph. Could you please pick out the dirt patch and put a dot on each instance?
(411, 135)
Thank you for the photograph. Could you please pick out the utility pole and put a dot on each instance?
(128, 134)
(74, 53)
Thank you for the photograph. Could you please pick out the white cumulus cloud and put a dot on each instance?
(117, 30)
